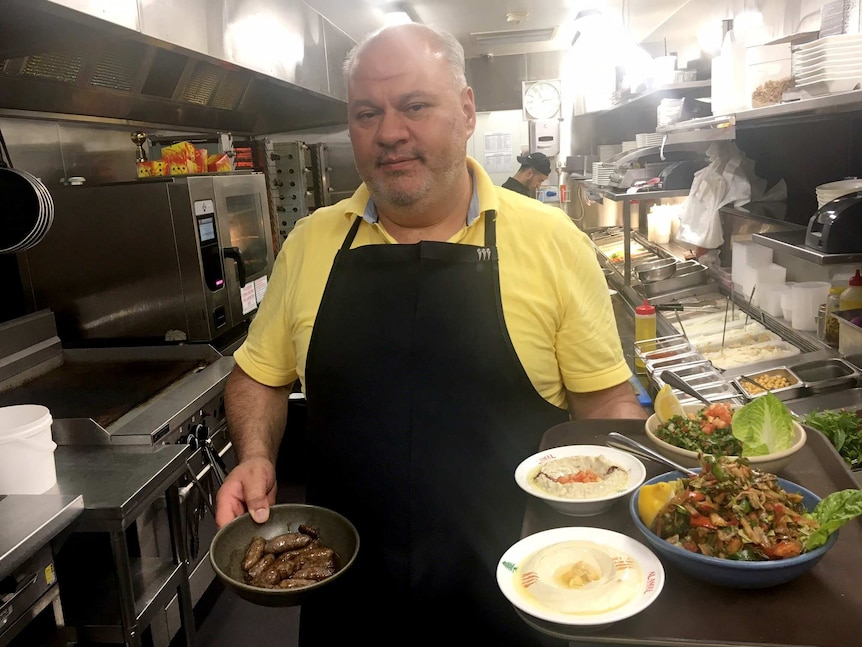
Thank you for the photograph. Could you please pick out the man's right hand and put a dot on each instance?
(250, 486)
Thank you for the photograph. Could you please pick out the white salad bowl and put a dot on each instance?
(593, 502)
(774, 462)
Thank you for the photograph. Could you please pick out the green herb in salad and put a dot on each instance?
(843, 429)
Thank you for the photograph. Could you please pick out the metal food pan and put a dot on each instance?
(688, 274)
(825, 375)
(663, 363)
(794, 389)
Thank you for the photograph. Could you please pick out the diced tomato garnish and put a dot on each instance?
(701, 521)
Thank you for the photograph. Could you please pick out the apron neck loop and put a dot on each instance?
(491, 229)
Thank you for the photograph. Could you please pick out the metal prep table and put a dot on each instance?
(29, 525)
(118, 483)
(819, 608)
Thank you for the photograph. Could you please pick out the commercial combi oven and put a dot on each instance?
(183, 258)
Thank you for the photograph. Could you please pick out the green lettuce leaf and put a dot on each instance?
(763, 426)
(833, 512)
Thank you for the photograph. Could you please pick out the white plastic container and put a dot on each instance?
(26, 450)
(767, 276)
(806, 298)
(770, 299)
(787, 302)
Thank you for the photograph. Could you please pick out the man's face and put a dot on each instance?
(536, 180)
(408, 123)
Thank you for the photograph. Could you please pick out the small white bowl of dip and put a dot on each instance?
(580, 480)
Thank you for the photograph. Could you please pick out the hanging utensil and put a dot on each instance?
(669, 377)
(679, 321)
(724, 328)
(750, 297)
(618, 441)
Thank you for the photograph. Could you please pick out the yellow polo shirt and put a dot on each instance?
(555, 299)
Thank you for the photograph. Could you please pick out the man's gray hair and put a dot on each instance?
(452, 50)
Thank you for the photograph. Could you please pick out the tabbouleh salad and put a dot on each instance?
(707, 431)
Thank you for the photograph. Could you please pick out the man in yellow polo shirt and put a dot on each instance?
(438, 327)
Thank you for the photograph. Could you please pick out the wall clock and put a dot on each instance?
(541, 99)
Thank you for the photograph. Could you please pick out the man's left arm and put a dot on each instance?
(615, 402)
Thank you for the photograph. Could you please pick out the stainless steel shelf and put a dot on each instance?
(679, 88)
(793, 243)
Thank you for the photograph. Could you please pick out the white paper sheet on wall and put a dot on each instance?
(498, 152)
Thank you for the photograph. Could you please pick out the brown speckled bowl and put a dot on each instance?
(231, 542)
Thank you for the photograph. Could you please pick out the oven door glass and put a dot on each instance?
(243, 215)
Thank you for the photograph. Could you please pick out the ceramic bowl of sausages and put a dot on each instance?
(580, 480)
(298, 551)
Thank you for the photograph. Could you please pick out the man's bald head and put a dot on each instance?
(438, 43)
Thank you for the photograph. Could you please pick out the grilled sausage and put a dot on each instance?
(311, 531)
(262, 564)
(314, 572)
(288, 541)
(254, 553)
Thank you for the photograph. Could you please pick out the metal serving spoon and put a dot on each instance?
(626, 444)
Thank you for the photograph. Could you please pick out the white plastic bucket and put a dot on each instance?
(26, 450)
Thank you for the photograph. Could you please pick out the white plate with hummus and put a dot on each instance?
(580, 480)
(580, 577)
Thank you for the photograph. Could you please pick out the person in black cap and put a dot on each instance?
(535, 169)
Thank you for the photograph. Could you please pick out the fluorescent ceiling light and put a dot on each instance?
(399, 13)
(510, 36)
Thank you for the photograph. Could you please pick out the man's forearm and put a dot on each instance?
(256, 415)
(616, 402)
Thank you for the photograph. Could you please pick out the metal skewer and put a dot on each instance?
(750, 297)
(724, 329)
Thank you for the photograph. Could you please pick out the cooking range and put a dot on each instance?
(147, 395)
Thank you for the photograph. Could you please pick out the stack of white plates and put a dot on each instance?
(832, 190)
(629, 145)
(648, 139)
(828, 65)
(607, 151)
(602, 173)
(26, 210)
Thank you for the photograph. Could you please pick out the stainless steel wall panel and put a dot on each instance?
(311, 73)
(34, 146)
(119, 12)
(179, 22)
(97, 154)
(338, 46)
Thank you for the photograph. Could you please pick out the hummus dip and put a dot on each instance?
(580, 578)
(579, 477)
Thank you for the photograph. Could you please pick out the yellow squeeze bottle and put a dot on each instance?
(645, 329)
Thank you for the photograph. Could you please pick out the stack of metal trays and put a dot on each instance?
(675, 353)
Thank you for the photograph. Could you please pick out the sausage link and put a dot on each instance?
(288, 541)
(254, 553)
(263, 563)
(311, 531)
(314, 572)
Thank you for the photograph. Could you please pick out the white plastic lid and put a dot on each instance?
(21, 420)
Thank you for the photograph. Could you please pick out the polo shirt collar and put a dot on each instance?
(483, 197)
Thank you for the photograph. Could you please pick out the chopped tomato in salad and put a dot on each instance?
(706, 431)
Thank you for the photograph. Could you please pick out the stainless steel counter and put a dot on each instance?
(30, 521)
(116, 483)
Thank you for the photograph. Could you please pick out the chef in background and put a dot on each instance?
(439, 325)
(535, 169)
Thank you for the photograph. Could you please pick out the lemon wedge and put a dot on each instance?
(652, 498)
(667, 405)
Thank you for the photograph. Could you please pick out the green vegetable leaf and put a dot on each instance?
(843, 429)
(763, 426)
(833, 512)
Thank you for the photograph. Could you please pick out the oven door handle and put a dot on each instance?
(236, 255)
(6, 609)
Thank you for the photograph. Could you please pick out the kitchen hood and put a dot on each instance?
(60, 61)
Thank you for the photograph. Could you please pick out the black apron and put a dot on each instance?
(419, 411)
